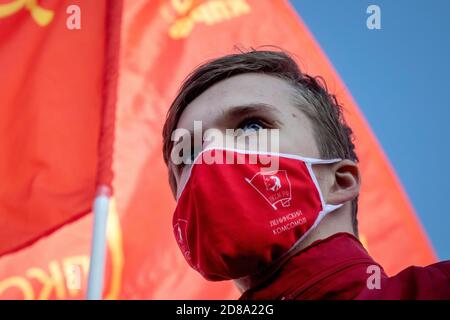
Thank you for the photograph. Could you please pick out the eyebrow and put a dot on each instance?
(238, 111)
(249, 108)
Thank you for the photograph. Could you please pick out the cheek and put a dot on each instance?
(174, 178)
(299, 142)
(323, 178)
(173, 185)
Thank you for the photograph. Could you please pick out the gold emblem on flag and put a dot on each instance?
(39, 14)
(184, 15)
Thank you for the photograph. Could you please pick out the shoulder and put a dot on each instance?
(430, 282)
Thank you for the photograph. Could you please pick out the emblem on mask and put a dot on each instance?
(273, 186)
(179, 230)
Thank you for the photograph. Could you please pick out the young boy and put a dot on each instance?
(285, 233)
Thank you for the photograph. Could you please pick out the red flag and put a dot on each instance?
(156, 57)
(162, 41)
(54, 100)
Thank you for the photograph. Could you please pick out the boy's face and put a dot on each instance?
(251, 101)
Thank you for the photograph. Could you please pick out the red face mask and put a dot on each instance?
(234, 220)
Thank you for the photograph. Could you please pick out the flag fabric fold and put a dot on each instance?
(50, 117)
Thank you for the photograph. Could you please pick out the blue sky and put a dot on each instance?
(400, 77)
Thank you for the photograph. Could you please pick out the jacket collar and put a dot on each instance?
(335, 267)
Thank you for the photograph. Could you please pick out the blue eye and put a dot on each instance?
(194, 153)
(188, 158)
(252, 126)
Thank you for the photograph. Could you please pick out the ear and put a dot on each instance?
(346, 182)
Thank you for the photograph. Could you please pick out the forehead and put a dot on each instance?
(243, 89)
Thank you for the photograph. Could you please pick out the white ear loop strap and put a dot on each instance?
(307, 160)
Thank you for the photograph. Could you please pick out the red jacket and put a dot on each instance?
(337, 268)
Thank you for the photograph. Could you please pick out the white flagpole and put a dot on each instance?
(104, 178)
(98, 248)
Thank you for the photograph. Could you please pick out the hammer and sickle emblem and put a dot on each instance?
(40, 15)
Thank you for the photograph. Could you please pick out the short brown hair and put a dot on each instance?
(333, 136)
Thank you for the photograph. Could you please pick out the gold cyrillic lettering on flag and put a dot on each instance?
(53, 280)
(66, 277)
(19, 283)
